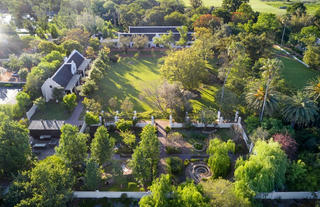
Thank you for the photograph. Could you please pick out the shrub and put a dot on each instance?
(70, 101)
(198, 146)
(186, 162)
(167, 129)
(288, 145)
(174, 165)
(90, 118)
(132, 186)
(194, 160)
(252, 122)
(172, 150)
(124, 125)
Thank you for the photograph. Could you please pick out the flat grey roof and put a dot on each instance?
(46, 124)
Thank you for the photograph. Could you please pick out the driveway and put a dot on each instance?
(74, 118)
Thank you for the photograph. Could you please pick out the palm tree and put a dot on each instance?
(300, 110)
(257, 98)
(313, 89)
(270, 70)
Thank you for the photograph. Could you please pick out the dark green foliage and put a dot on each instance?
(70, 101)
(15, 150)
(124, 125)
(102, 146)
(92, 175)
(91, 118)
(232, 5)
(174, 165)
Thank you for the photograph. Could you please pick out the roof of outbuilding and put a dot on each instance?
(63, 75)
(45, 125)
(152, 29)
(176, 36)
(76, 57)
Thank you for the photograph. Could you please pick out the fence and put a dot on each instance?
(108, 194)
(288, 195)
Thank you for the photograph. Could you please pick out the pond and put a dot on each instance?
(8, 95)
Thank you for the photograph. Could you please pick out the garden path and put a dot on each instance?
(74, 118)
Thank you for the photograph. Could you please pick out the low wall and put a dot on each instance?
(31, 111)
(108, 194)
(288, 195)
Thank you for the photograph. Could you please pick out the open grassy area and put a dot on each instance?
(52, 111)
(296, 74)
(132, 75)
(312, 6)
(257, 5)
(129, 78)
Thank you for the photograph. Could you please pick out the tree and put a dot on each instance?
(14, 63)
(46, 47)
(92, 175)
(89, 87)
(308, 35)
(297, 177)
(50, 184)
(128, 138)
(264, 171)
(23, 101)
(58, 93)
(72, 147)
(102, 146)
(196, 3)
(90, 53)
(297, 9)
(288, 144)
(175, 19)
(160, 189)
(312, 56)
(125, 42)
(189, 195)
(166, 40)
(92, 105)
(40, 102)
(70, 45)
(300, 110)
(54, 31)
(313, 88)
(91, 118)
(208, 21)
(257, 95)
(94, 43)
(54, 55)
(15, 150)
(221, 193)
(23, 73)
(233, 5)
(270, 70)
(140, 41)
(219, 161)
(70, 101)
(184, 66)
(268, 23)
(183, 32)
(146, 156)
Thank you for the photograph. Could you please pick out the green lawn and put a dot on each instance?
(257, 5)
(52, 111)
(296, 74)
(132, 75)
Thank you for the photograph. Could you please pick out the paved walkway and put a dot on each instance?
(74, 118)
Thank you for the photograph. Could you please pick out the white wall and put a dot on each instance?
(47, 91)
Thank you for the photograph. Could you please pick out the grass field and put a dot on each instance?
(129, 78)
(52, 111)
(267, 6)
(296, 74)
(257, 5)
(132, 75)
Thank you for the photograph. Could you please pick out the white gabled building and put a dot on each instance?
(67, 76)
(153, 32)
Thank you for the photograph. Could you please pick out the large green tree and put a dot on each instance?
(15, 150)
(48, 184)
(146, 156)
(233, 5)
(264, 171)
(92, 175)
(300, 110)
(219, 161)
(72, 147)
(102, 146)
(185, 66)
